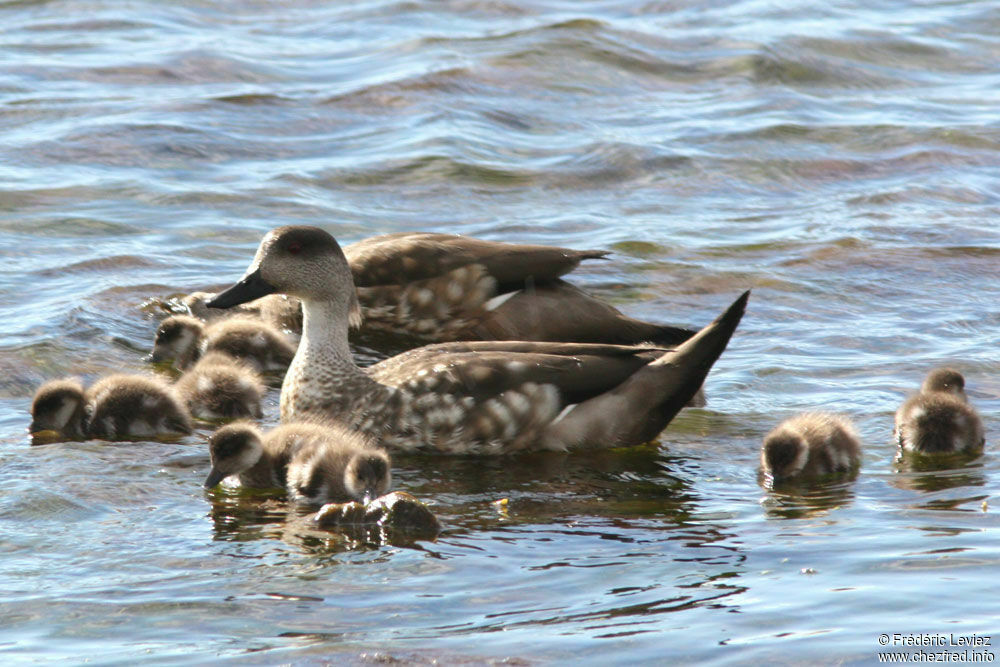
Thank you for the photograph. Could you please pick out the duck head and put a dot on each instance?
(300, 261)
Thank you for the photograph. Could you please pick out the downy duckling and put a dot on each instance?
(220, 387)
(315, 463)
(129, 407)
(475, 398)
(59, 405)
(338, 466)
(185, 339)
(810, 445)
(938, 419)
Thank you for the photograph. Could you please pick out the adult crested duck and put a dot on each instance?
(315, 463)
(116, 407)
(939, 418)
(810, 445)
(433, 288)
(183, 340)
(483, 397)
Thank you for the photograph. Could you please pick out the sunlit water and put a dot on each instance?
(839, 159)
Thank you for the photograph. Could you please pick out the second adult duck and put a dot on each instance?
(486, 397)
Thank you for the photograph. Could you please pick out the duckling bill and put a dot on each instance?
(482, 397)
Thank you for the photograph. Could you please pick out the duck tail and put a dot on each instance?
(637, 410)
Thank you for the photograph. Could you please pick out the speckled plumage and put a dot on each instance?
(810, 445)
(433, 288)
(939, 418)
(468, 398)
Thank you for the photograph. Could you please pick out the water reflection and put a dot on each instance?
(800, 499)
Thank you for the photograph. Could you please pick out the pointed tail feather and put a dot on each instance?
(639, 408)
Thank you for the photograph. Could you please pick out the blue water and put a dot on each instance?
(840, 159)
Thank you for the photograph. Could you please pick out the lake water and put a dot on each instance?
(840, 159)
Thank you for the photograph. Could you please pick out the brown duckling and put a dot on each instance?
(939, 419)
(117, 407)
(60, 406)
(810, 445)
(482, 397)
(185, 339)
(338, 466)
(316, 463)
(131, 407)
(220, 387)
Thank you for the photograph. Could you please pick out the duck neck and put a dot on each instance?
(323, 360)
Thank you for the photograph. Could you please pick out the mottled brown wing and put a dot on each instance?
(483, 369)
(395, 259)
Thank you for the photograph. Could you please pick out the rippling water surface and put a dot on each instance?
(840, 159)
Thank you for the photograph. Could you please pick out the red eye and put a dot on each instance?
(295, 248)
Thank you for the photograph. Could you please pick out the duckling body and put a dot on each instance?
(315, 463)
(59, 406)
(335, 465)
(939, 419)
(185, 339)
(220, 387)
(116, 407)
(128, 407)
(484, 397)
(810, 445)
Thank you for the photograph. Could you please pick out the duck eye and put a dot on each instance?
(295, 248)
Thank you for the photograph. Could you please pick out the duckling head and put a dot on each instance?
(300, 261)
(368, 475)
(177, 339)
(947, 380)
(783, 455)
(234, 448)
(59, 406)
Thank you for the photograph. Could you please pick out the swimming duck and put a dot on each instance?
(446, 287)
(60, 406)
(220, 387)
(316, 463)
(117, 407)
(484, 397)
(939, 419)
(184, 339)
(810, 445)
(443, 287)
